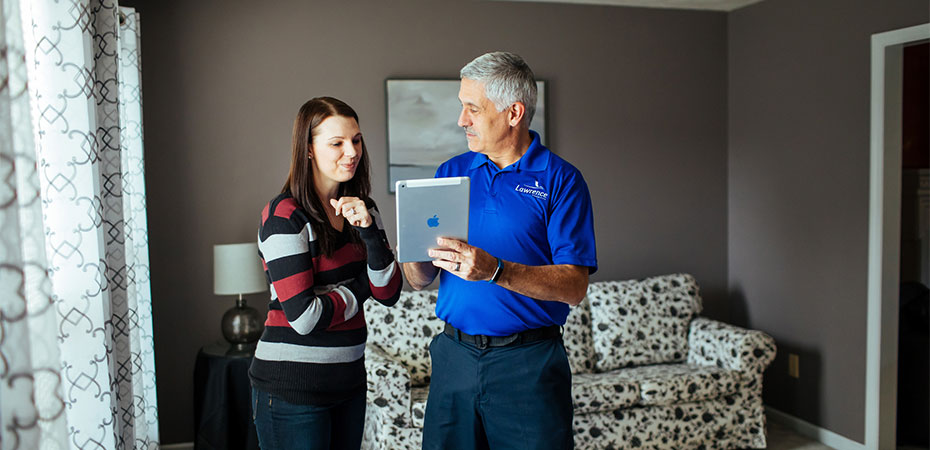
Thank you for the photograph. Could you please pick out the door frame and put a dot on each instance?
(885, 235)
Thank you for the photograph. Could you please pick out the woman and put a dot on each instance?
(325, 252)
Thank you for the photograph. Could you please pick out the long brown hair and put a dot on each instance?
(300, 177)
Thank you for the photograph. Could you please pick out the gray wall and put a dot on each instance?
(637, 101)
(799, 192)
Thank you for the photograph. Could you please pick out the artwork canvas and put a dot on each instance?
(422, 129)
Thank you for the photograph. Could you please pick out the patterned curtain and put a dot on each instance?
(76, 349)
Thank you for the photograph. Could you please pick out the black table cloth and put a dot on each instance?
(222, 397)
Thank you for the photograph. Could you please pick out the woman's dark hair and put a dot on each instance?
(300, 177)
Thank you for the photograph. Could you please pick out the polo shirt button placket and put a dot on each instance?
(493, 190)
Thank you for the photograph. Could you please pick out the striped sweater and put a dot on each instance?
(312, 349)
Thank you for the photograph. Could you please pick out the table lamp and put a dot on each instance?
(237, 270)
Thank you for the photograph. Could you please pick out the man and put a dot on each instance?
(500, 375)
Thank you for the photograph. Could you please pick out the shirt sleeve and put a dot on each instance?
(442, 170)
(571, 224)
(284, 244)
(383, 273)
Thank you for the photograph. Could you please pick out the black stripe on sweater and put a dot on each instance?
(307, 383)
(340, 338)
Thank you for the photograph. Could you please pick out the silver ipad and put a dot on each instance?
(427, 209)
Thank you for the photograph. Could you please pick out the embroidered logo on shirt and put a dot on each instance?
(535, 190)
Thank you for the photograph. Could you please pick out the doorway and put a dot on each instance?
(913, 399)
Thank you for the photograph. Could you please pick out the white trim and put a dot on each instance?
(812, 431)
(884, 231)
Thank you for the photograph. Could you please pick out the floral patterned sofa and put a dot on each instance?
(648, 372)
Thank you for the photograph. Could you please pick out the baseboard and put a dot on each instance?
(812, 431)
(181, 446)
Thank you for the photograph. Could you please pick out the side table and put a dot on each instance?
(222, 399)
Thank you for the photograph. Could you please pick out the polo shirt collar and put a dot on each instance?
(536, 158)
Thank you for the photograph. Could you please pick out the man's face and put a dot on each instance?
(484, 126)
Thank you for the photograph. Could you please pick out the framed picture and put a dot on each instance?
(422, 130)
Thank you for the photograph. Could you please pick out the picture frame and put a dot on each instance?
(422, 129)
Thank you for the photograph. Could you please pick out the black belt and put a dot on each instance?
(523, 337)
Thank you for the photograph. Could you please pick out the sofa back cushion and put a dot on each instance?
(405, 330)
(642, 322)
(579, 344)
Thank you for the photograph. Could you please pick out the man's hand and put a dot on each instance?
(463, 260)
(565, 283)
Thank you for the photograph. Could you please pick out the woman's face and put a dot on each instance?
(336, 149)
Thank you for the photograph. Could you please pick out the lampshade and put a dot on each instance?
(237, 269)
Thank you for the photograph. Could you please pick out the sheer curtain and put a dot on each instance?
(76, 348)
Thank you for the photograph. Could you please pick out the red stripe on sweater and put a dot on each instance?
(347, 254)
(357, 321)
(339, 308)
(265, 213)
(287, 288)
(389, 289)
(285, 208)
(276, 318)
(264, 266)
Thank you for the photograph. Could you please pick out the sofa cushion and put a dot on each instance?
(642, 322)
(596, 392)
(579, 345)
(405, 330)
(669, 384)
(418, 405)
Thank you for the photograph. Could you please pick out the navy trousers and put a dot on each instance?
(282, 425)
(515, 397)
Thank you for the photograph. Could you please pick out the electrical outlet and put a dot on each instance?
(793, 369)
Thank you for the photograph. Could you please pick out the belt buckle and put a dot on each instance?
(482, 341)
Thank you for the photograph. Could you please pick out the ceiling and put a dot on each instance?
(712, 5)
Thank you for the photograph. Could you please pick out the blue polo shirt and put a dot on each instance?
(536, 211)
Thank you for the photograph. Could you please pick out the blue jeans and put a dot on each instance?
(515, 397)
(282, 425)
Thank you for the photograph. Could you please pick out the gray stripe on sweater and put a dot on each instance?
(280, 351)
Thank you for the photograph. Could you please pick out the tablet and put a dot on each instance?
(427, 209)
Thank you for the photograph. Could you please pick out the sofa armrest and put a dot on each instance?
(388, 387)
(718, 344)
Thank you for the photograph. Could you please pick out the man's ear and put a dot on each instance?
(515, 113)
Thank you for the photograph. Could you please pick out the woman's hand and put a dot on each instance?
(353, 209)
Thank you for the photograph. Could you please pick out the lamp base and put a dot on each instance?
(242, 325)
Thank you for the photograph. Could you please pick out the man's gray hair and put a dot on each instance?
(507, 79)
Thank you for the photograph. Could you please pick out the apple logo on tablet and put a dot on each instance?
(432, 222)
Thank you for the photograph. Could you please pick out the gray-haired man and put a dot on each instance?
(500, 374)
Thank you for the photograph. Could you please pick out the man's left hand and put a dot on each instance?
(463, 260)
